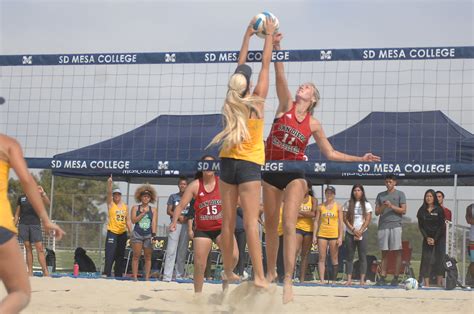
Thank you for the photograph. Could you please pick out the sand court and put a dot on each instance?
(88, 295)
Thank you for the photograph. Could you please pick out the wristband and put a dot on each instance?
(153, 234)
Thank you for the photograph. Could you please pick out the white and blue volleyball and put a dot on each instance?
(411, 284)
(259, 23)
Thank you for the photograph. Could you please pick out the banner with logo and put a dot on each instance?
(170, 168)
(420, 53)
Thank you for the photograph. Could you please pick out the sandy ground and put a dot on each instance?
(80, 295)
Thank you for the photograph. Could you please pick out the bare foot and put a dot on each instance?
(229, 276)
(287, 292)
(271, 277)
(322, 282)
(362, 283)
(349, 283)
(261, 283)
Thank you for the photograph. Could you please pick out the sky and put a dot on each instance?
(66, 26)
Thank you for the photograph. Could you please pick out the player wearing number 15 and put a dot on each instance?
(117, 226)
(208, 220)
(292, 127)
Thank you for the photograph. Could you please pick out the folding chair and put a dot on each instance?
(158, 254)
(406, 270)
(189, 261)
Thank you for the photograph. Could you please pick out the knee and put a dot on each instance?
(288, 227)
(250, 226)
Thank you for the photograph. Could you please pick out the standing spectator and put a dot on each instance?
(470, 221)
(117, 226)
(145, 218)
(241, 241)
(29, 230)
(432, 227)
(305, 226)
(327, 231)
(390, 206)
(447, 213)
(357, 216)
(178, 239)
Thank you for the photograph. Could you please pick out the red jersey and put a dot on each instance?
(447, 214)
(288, 137)
(208, 208)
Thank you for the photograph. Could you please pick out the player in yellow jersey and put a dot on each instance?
(328, 231)
(242, 154)
(305, 226)
(12, 266)
(118, 224)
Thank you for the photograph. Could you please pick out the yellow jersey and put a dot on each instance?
(252, 149)
(117, 218)
(329, 222)
(6, 216)
(305, 223)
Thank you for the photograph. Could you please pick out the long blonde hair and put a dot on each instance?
(236, 111)
(316, 96)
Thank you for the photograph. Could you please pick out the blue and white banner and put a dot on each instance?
(163, 168)
(420, 53)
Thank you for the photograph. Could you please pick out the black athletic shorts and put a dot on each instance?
(281, 179)
(304, 233)
(327, 239)
(207, 234)
(236, 171)
(30, 233)
(5, 235)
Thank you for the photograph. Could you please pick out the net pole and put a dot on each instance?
(52, 198)
(456, 209)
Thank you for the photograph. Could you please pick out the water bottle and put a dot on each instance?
(76, 269)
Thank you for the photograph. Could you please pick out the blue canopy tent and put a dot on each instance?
(426, 146)
(145, 151)
(408, 138)
(423, 148)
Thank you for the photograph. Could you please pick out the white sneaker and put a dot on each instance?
(245, 275)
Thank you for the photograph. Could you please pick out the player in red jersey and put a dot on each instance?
(292, 127)
(207, 218)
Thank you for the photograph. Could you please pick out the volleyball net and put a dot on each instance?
(153, 114)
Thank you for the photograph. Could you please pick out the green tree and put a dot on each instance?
(74, 199)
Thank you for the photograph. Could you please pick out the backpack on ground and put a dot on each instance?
(449, 264)
(51, 259)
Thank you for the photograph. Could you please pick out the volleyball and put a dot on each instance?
(258, 23)
(411, 284)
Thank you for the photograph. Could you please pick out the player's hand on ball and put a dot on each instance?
(270, 26)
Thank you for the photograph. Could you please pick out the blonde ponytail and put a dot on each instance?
(236, 112)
